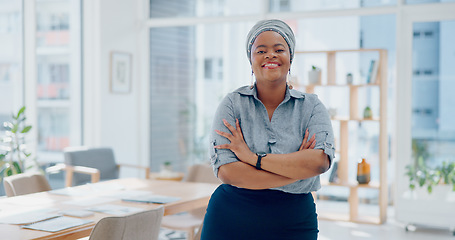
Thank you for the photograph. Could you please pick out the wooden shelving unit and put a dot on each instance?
(343, 148)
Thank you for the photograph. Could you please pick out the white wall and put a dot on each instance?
(111, 119)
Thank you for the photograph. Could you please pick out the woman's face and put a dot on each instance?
(270, 57)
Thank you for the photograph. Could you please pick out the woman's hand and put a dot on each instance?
(308, 144)
(238, 145)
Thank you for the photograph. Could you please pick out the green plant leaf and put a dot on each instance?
(20, 112)
(26, 129)
(422, 182)
(14, 128)
(430, 188)
(17, 167)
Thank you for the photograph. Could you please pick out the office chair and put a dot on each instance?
(25, 183)
(33, 182)
(138, 226)
(102, 159)
(192, 220)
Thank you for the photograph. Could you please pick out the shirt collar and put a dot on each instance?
(251, 91)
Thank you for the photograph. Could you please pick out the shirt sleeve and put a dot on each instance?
(321, 125)
(219, 157)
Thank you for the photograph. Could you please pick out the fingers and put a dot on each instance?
(233, 130)
(223, 146)
(237, 126)
(226, 135)
(313, 144)
(305, 139)
(310, 144)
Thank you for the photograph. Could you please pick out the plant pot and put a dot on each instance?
(166, 170)
(314, 77)
(439, 192)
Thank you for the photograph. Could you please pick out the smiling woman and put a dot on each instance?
(262, 150)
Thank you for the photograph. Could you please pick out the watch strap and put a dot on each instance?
(258, 162)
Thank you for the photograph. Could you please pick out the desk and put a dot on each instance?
(177, 176)
(192, 196)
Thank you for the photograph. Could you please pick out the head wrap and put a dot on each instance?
(271, 25)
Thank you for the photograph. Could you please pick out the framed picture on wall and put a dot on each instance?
(120, 72)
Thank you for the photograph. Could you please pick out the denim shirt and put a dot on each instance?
(283, 134)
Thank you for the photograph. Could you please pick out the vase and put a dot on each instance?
(314, 77)
(363, 172)
(367, 113)
(349, 78)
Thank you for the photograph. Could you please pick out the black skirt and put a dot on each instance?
(236, 214)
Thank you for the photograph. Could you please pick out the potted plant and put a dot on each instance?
(314, 76)
(14, 156)
(423, 176)
(367, 113)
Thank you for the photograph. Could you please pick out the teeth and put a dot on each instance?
(270, 65)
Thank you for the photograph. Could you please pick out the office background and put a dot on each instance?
(56, 59)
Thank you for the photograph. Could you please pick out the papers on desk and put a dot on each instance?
(90, 190)
(29, 217)
(85, 202)
(115, 209)
(57, 224)
(151, 198)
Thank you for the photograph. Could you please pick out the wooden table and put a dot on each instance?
(192, 196)
(177, 176)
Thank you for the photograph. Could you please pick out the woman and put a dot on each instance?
(261, 151)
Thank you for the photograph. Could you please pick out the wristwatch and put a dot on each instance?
(260, 156)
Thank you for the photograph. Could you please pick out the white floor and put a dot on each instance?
(391, 230)
(342, 230)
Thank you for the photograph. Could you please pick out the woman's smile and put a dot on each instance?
(271, 65)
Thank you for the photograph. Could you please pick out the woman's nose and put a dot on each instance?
(271, 54)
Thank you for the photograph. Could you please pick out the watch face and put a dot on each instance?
(262, 154)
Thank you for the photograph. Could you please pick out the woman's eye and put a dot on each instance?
(280, 50)
(261, 51)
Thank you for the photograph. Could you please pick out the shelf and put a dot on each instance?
(372, 185)
(355, 114)
(345, 85)
(346, 119)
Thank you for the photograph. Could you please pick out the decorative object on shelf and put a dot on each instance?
(333, 178)
(372, 72)
(367, 113)
(314, 76)
(332, 112)
(363, 172)
(166, 171)
(16, 158)
(349, 78)
(121, 68)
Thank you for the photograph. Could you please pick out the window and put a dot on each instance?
(203, 8)
(309, 5)
(11, 40)
(190, 73)
(58, 59)
(433, 131)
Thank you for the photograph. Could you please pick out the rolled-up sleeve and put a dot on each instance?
(320, 125)
(219, 157)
